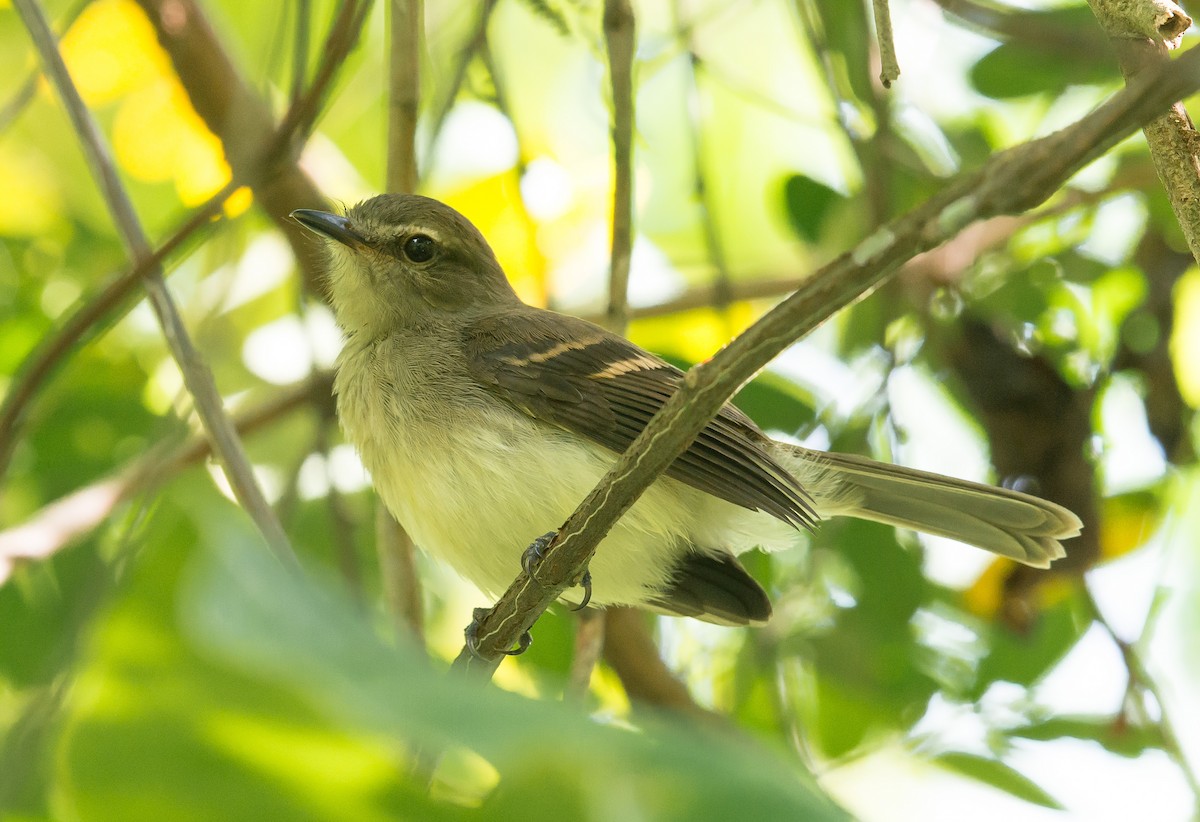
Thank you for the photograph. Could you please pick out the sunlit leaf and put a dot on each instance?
(999, 775)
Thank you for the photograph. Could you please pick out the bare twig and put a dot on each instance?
(889, 70)
(259, 153)
(28, 90)
(196, 375)
(285, 183)
(619, 35)
(300, 49)
(1011, 182)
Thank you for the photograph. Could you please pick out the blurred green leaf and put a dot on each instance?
(279, 628)
(1024, 659)
(1115, 735)
(1056, 49)
(808, 204)
(998, 775)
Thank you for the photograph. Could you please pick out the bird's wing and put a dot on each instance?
(580, 377)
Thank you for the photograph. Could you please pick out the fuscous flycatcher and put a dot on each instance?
(484, 422)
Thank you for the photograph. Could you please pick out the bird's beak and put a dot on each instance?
(328, 225)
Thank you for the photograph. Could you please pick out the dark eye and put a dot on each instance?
(419, 248)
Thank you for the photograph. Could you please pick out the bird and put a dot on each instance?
(484, 421)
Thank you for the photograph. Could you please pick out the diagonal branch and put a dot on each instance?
(1011, 182)
(197, 377)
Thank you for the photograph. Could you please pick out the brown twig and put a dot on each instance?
(1011, 182)
(196, 375)
(258, 152)
(591, 632)
(630, 650)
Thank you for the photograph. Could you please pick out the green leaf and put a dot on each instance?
(995, 773)
(808, 204)
(287, 632)
(1116, 736)
(1024, 659)
(1067, 48)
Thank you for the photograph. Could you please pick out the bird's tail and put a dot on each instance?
(1009, 523)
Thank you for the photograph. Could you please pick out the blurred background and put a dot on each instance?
(155, 663)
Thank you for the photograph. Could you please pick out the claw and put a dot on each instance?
(536, 550)
(585, 582)
(472, 637)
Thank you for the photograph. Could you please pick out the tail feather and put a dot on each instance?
(1016, 525)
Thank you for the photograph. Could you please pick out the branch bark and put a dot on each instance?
(1011, 182)
(1143, 31)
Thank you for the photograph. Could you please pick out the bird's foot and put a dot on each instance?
(472, 637)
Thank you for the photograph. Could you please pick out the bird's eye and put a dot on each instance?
(419, 248)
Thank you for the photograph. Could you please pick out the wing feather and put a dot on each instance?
(580, 377)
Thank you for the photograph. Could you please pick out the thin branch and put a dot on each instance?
(272, 163)
(196, 375)
(465, 55)
(394, 548)
(28, 90)
(259, 153)
(59, 524)
(300, 49)
(620, 36)
(722, 282)
(889, 70)
(1013, 181)
(630, 650)
(1140, 680)
(404, 94)
(1142, 33)
(591, 634)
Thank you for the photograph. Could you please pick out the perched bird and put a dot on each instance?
(485, 421)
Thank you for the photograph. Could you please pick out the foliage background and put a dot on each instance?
(159, 666)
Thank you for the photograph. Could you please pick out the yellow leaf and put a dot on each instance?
(1185, 340)
(693, 335)
(1127, 521)
(111, 50)
(494, 205)
(31, 203)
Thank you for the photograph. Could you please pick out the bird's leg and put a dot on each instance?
(472, 637)
(537, 550)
